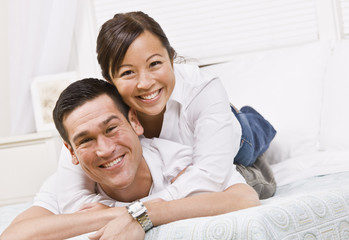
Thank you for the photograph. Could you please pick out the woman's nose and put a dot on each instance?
(145, 80)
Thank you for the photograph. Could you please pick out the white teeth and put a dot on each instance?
(110, 164)
(151, 96)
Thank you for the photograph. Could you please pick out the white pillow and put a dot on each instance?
(335, 116)
(285, 86)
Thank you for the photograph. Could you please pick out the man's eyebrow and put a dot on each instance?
(105, 122)
(79, 135)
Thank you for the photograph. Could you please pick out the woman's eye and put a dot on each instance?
(126, 73)
(153, 64)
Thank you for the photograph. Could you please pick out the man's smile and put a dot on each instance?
(112, 163)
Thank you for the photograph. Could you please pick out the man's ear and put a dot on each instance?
(136, 125)
(75, 160)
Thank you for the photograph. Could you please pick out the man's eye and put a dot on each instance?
(110, 129)
(85, 140)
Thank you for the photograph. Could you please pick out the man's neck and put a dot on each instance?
(138, 189)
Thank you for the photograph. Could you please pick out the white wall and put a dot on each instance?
(83, 59)
(4, 72)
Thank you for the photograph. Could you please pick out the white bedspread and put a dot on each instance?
(314, 208)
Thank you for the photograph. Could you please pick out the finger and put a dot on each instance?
(179, 174)
(97, 235)
(94, 236)
(156, 200)
(86, 206)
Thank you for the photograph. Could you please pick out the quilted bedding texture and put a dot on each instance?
(313, 208)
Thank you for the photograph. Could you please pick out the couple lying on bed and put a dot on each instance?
(174, 102)
(104, 136)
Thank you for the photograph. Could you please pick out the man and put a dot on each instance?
(102, 135)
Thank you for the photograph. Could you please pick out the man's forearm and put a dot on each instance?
(38, 223)
(236, 197)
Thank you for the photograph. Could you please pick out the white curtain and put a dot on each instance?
(40, 40)
(344, 18)
(212, 30)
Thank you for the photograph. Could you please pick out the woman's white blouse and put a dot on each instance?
(198, 114)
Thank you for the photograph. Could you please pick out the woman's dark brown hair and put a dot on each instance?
(118, 33)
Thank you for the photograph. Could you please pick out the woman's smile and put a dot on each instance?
(153, 96)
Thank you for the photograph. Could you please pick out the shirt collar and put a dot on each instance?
(177, 94)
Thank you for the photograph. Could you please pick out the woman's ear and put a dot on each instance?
(136, 125)
(75, 160)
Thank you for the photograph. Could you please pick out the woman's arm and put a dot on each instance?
(214, 134)
(236, 197)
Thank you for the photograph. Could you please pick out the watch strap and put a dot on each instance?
(139, 212)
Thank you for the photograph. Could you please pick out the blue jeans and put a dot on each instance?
(257, 133)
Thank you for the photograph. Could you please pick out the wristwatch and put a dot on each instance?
(139, 212)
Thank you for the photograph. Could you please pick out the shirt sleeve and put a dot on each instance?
(216, 141)
(74, 188)
(47, 196)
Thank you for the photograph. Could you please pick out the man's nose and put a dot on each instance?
(105, 147)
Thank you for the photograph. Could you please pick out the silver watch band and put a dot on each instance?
(139, 212)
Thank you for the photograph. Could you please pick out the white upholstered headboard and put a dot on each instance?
(26, 161)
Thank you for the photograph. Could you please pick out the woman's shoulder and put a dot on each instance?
(189, 74)
(191, 82)
(184, 71)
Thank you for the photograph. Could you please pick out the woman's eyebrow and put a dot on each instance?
(154, 55)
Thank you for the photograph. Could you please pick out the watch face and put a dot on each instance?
(136, 209)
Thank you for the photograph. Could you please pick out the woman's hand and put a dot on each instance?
(123, 226)
(92, 207)
(180, 173)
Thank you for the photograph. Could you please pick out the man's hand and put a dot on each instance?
(123, 226)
